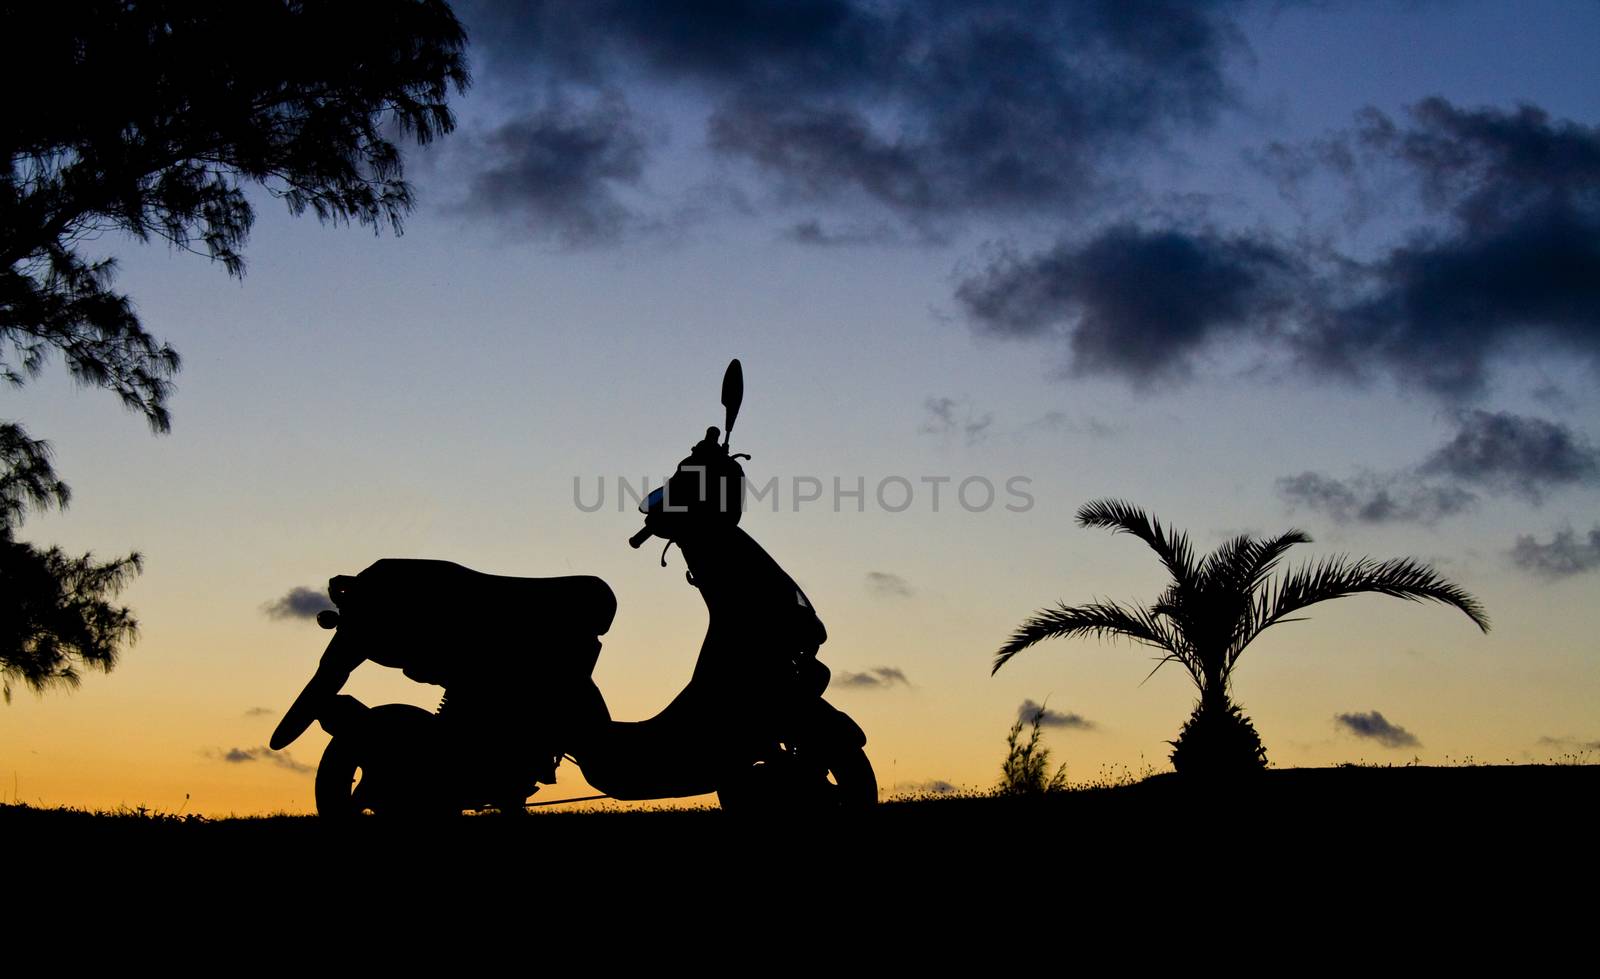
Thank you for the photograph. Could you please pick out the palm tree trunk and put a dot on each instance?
(1217, 740)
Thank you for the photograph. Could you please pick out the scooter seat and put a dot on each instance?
(411, 588)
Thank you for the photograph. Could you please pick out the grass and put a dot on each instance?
(1345, 839)
(1570, 778)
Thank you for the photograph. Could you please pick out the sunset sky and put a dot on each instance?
(1250, 266)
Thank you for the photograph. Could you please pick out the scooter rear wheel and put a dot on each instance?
(796, 782)
(855, 783)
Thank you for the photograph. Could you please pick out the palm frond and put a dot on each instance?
(1244, 563)
(1100, 619)
(1125, 518)
(1230, 578)
(1338, 577)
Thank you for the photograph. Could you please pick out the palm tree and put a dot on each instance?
(1214, 608)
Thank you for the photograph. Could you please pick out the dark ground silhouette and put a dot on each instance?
(1369, 843)
(1363, 862)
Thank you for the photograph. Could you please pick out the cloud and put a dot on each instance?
(924, 108)
(554, 171)
(1376, 727)
(950, 108)
(1565, 555)
(241, 756)
(259, 712)
(1052, 718)
(298, 603)
(811, 44)
(877, 678)
(1056, 420)
(1511, 266)
(1499, 259)
(949, 416)
(813, 232)
(886, 585)
(1140, 305)
(817, 150)
(1498, 452)
(1515, 454)
(1374, 499)
(1570, 744)
(1554, 397)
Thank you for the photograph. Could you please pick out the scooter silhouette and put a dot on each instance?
(516, 658)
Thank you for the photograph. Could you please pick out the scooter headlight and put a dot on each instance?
(654, 500)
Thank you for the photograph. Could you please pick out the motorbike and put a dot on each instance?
(516, 658)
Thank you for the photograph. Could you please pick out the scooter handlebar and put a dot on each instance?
(637, 540)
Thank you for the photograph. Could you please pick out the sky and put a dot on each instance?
(1250, 266)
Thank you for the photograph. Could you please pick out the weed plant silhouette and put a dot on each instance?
(1026, 770)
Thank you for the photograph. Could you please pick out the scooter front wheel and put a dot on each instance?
(346, 789)
(384, 761)
(339, 790)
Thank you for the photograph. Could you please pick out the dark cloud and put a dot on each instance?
(1565, 555)
(1376, 727)
(1134, 303)
(1052, 718)
(816, 150)
(1515, 454)
(259, 712)
(1554, 397)
(994, 107)
(1373, 498)
(805, 45)
(1498, 452)
(950, 416)
(813, 232)
(554, 172)
(299, 603)
(1486, 165)
(927, 108)
(1503, 262)
(886, 585)
(1446, 307)
(877, 678)
(1511, 267)
(241, 756)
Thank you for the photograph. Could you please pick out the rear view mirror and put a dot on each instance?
(732, 395)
